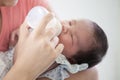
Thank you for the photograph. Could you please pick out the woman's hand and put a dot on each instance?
(35, 51)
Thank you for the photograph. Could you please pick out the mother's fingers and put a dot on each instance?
(38, 30)
(23, 30)
(54, 42)
(59, 49)
(49, 33)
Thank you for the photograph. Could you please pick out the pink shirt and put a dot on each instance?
(12, 18)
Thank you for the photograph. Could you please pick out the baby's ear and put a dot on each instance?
(14, 37)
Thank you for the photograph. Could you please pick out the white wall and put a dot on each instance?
(107, 14)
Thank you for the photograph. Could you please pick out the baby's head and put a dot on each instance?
(84, 42)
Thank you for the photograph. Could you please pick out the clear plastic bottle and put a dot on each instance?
(34, 17)
(36, 14)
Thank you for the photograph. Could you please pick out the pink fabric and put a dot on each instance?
(12, 18)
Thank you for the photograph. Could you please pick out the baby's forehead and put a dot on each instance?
(85, 22)
(85, 33)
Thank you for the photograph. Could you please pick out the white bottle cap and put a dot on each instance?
(36, 14)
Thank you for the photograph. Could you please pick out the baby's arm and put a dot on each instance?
(89, 74)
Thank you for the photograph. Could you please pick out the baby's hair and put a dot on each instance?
(97, 50)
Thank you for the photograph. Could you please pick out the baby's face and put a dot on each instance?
(76, 35)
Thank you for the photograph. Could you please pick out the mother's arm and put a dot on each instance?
(90, 74)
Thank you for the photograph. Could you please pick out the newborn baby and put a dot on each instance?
(84, 42)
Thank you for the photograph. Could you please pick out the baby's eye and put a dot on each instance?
(72, 38)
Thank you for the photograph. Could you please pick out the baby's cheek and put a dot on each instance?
(66, 53)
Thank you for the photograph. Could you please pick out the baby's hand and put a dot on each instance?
(14, 37)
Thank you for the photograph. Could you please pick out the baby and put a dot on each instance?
(84, 42)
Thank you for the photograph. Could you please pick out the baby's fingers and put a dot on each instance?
(54, 42)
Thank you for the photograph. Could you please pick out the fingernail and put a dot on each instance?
(56, 39)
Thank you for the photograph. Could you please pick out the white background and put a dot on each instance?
(107, 14)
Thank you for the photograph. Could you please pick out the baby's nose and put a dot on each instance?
(64, 29)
